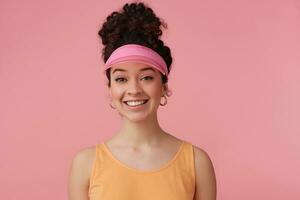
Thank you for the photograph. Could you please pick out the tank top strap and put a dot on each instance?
(95, 161)
(97, 167)
(186, 159)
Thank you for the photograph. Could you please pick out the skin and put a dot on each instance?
(140, 135)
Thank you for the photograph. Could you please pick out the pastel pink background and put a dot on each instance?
(235, 82)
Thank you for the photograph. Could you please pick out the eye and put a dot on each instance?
(119, 79)
(148, 77)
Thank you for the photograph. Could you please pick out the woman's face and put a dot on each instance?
(136, 90)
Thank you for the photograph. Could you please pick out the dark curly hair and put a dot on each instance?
(134, 24)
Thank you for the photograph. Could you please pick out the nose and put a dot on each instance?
(134, 87)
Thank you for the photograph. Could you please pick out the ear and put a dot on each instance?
(164, 89)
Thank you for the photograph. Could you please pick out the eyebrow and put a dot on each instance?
(123, 70)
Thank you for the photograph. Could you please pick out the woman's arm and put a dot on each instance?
(206, 188)
(79, 174)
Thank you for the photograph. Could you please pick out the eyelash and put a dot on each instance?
(117, 79)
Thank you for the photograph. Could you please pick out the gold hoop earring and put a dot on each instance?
(166, 101)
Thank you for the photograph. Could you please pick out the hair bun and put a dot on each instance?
(136, 23)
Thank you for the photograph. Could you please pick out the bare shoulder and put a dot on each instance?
(83, 160)
(80, 171)
(203, 163)
(205, 175)
(85, 156)
(201, 156)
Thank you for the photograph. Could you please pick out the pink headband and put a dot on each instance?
(139, 53)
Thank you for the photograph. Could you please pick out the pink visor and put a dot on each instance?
(138, 53)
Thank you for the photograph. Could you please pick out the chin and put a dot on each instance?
(136, 117)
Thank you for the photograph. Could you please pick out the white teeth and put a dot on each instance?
(134, 103)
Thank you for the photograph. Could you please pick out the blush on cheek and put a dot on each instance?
(156, 91)
(116, 93)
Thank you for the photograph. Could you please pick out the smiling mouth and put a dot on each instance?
(136, 103)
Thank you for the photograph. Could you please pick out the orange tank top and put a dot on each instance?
(113, 180)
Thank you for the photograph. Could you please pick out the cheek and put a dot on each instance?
(116, 93)
(155, 91)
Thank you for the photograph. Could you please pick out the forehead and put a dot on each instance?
(131, 67)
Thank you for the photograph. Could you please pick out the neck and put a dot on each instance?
(147, 132)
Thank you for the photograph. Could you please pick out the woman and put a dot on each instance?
(141, 161)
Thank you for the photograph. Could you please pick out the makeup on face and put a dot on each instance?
(136, 86)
